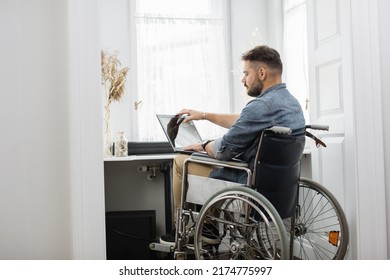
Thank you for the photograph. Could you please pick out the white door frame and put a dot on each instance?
(371, 239)
(86, 130)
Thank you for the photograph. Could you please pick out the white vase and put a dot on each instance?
(107, 134)
(107, 149)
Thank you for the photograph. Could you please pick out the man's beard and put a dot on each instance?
(256, 90)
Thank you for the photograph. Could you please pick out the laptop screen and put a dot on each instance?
(179, 134)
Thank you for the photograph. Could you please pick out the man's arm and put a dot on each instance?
(224, 120)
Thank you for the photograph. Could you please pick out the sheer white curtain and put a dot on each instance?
(182, 59)
(295, 51)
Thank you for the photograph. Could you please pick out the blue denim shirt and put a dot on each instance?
(275, 106)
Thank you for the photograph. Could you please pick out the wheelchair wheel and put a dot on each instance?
(240, 223)
(321, 230)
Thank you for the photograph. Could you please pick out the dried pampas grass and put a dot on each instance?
(113, 78)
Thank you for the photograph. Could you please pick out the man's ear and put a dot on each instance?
(262, 73)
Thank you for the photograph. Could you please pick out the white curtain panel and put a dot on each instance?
(182, 62)
(295, 51)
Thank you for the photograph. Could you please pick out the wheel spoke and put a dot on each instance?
(318, 217)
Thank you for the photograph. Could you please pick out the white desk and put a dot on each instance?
(127, 188)
(306, 151)
(141, 157)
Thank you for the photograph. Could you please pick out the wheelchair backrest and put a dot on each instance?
(277, 170)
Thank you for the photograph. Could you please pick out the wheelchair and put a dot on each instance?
(276, 215)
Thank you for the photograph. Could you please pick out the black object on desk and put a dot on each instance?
(143, 148)
(146, 148)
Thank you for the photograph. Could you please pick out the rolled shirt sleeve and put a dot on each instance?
(217, 145)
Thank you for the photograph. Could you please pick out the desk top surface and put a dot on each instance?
(141, 157)
(158, 156)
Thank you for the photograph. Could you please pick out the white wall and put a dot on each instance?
(51, 175)
(34, 111)
(383, 8)
(87, 180)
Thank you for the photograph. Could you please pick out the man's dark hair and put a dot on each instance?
(266, 55)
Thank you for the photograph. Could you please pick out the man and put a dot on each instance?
(272, 105)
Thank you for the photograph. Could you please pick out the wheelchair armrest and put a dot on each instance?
(203, 158)
(281, 130)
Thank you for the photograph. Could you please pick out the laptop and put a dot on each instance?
(178, 133)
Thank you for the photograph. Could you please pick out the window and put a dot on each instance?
(182, 62)
(295, 51)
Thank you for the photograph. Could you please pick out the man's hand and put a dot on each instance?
(194, 147)
(191, 115)
(198, 147)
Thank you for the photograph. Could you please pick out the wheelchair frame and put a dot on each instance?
(248, 225)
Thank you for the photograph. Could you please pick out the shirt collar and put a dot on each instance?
(274, 87)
